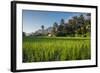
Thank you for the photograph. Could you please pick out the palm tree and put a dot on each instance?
(24, 34)
(42, 29)
(55, 26)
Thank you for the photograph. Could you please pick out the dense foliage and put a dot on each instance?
(77, 26)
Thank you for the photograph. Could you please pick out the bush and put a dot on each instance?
(60, 34)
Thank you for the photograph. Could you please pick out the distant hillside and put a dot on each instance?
(45, 31)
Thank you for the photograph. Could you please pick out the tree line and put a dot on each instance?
(77, 26)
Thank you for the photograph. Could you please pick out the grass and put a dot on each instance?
(41, 49)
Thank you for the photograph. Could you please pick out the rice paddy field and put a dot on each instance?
(43, 49)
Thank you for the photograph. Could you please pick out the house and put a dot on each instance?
(49, 34)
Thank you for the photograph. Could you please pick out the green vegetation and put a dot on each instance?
(41, 49)
(59, 42)
(78, 25)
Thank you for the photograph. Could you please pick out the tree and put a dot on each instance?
(24, 34)
(81, 19)
(75, 25)
(42, 29)
(88, 16)
(55, 25)
(61, 29)
(87, 25)
(72, 23)
(61, 26)
(81, 22)
(75, 20)
(55, 28)
(62, 22)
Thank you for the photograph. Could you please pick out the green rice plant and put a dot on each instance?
(41, 49)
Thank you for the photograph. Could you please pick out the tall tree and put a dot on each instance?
(87, 24)
(24, 34)
(75, 24)
(61, 26)
(81, 21)
(61, 29)
(62, 22)
(72, 23)
(55, 25)
(75, 20)
(42, 29)
(55, 28)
